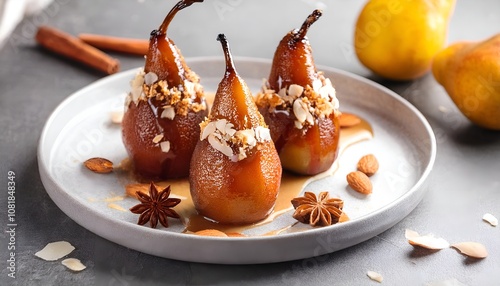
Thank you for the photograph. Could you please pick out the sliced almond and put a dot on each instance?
(55, 250)
(157, 138)
(368, 164)
(99, 165)
(73, 264)
(491, 219)
(359, 182)
(425, 241)
(211, 232)
(375, 276)
(165, 146)
(348, 120)
(471, 249)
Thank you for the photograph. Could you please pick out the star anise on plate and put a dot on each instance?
(156, 206)
(317, 211)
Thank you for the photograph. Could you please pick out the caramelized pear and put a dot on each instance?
(160, 126)
(300, 106)
(235, 170)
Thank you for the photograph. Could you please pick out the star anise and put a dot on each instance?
(320, 211)
(156, 206)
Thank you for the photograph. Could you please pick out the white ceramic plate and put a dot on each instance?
(80, 128)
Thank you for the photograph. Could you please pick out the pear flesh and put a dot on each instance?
(235, 170)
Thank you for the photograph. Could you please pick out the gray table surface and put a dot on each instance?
(464, 184)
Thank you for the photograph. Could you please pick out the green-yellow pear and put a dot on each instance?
(470, 73)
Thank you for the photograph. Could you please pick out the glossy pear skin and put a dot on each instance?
(238, 192)
(398, 39)
(293, 62)
(309, 151)
(143, 121)
(470, 74)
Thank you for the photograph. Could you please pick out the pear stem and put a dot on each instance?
(301, 33)
(179, 6)
(227, 52)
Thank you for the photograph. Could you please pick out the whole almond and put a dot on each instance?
(368, 164)
(99, 165)
(359, 182)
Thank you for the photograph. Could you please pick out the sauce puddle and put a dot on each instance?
(291, 186)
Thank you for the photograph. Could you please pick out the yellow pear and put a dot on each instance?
(397, 39)
(470, 73)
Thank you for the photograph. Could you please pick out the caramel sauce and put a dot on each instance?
(291, 186)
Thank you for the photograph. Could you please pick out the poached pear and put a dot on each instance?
(235, 170)
(160, 126)
(300, 106)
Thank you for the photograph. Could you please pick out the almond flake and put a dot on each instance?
(55, 250)
(208, 130)
(491, 219)
(165, 146)
(375, 276)
(295, 90)
(168, 112)
(299, 111)
(471, 249)
(221, 125)
(425, 241)
(150, 78)
(219, 146)
(73, 264)
(157, 138)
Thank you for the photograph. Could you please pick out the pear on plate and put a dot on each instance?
(160, 126)
(235, 170)
(300, 106)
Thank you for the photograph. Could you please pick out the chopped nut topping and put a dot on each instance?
(181, 99)
(233, 143)
(320, 211)
(307, 104)
(157, 138)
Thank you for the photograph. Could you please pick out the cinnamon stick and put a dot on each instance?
(116, 44)
(73, 48)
